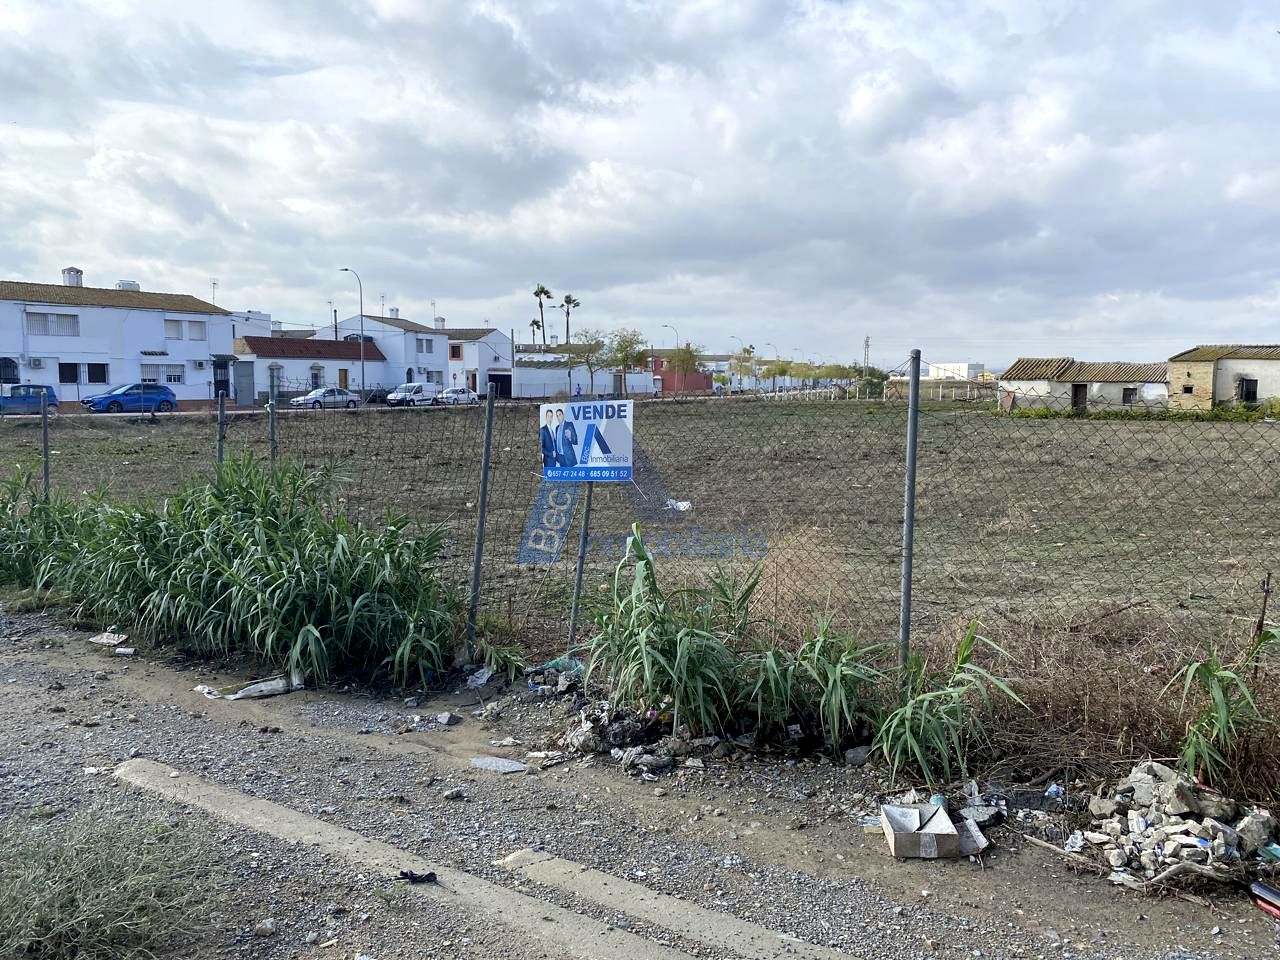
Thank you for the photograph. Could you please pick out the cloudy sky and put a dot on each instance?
(982, 178)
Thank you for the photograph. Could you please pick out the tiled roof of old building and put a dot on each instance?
(1070, 370)
(1230, 351)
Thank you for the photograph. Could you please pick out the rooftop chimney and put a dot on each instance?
(439, 323)
(72, 277)
(394, 313)
(126, 285)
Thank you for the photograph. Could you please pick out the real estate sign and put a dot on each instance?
(587, 440)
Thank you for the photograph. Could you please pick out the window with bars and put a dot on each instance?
(53, 325)
(455, 351)
(163, 373)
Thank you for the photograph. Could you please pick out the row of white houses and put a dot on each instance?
(84, 340)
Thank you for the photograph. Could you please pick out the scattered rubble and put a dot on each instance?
(1159, 824)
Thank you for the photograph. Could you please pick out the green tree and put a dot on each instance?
(743, 363)
(542, 293)
(626, 349)
(590, 350)
(804, 371)
(775, 369)
(685, 360)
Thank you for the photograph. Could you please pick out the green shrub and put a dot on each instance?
(100, 885)
(1229, 708)
(256, 562)
(934, 725)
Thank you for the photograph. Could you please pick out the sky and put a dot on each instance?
(981, 179)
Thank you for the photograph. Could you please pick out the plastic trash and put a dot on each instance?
(479, 678)
(109, 639)
(1075, 842)
(1055, 791)
(680, 506)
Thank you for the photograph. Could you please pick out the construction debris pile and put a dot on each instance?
(639, 742)
(1157, 825)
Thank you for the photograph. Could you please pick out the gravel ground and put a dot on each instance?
(725, 837)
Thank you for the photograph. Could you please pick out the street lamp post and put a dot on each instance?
(360, 287)
(675, 331)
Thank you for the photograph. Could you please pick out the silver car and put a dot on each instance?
(326, 397)
(456, 395)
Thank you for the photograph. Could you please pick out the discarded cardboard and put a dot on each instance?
(109, 639)
(919, 830)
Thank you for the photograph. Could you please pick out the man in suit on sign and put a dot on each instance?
(566, 437)
(548, 437)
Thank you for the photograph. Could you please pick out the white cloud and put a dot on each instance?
(979, 179)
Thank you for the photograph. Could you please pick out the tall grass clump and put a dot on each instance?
(34, 530)
(257, 562)
(102, 884)
(1229, 710)
(662, 650)
(934, 725)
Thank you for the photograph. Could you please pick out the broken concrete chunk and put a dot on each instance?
(1256, 830)
(1102, 808)
(448, 719)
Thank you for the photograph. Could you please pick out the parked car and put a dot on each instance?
(25, 398)
(413, 395)
(326, 397)
(133, 398)
(456, 395)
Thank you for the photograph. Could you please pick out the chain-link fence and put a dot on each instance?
(1033, 515)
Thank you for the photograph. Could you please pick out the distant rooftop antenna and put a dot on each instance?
(213, 282)
(382, 299)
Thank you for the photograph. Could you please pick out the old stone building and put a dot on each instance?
(1224, 374)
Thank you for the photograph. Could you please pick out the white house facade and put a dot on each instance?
(1063, 383)
(291, 366)
(84, 340)
(412, 353)
(477, 357)
(1224, 374)
(956, 371)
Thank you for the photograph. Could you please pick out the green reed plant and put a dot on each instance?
(1229, 710)
(254, 562)
(662, 650)
(933, 726)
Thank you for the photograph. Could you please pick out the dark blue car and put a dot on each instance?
(25, 398)
(133, 398)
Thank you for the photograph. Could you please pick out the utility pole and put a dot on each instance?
(866, 357)
(213, 282)
(360, 287)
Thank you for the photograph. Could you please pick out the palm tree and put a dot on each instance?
(542, 292)
(568, 304)
(535, 325)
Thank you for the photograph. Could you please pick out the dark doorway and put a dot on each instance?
(408, 375)
(1248, 390)
(500, 383)
(221, 378)
(1080, 396)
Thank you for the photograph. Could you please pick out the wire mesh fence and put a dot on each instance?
(1037, 513)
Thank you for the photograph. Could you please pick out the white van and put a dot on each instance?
(413, 395)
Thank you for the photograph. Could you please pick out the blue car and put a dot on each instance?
(133, 398)
(25, 398)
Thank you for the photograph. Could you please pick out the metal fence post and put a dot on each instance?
(271, 425)
(474, 608)
(44, 439)
(582, 553)
(222, 424)
(909, 510)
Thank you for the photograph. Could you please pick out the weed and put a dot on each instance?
(935, 722)
(253, 562)
(100, 885)
(662, 650)
(1230, 709)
